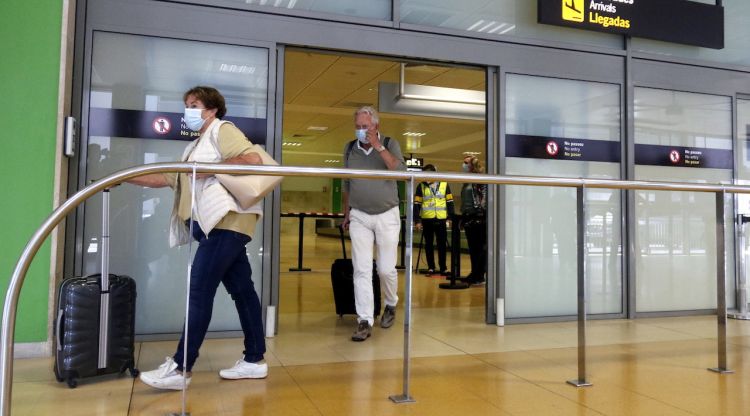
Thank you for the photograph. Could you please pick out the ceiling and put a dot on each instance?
(323, 90)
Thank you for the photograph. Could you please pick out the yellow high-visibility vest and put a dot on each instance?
(434, 205)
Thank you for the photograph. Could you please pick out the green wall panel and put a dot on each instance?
(29, 71)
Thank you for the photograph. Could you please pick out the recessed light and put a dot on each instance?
(508, 29)
(237, 69)
(292, 144)
(318, 128)
(477, 23)
(414, 134)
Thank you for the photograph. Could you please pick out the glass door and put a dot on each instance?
(135, 106)
(680, 137)
(567, 129)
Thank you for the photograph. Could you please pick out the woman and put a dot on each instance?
(222, 230)
(473, 220)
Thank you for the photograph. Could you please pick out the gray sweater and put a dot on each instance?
(371, 195)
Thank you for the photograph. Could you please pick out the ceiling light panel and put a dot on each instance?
(237, 69)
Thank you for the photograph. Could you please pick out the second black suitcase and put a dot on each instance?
(95, 325)
(342, 280)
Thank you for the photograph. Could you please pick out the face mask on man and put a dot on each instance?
(465, 167)
(193, 118)
(361, 135)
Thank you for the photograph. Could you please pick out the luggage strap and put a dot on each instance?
(343, 243)
(350, 146)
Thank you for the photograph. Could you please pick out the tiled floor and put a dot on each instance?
(460, 365)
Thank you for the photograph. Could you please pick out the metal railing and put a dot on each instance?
(24, 261)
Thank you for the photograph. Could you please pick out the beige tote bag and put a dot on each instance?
(248, 190)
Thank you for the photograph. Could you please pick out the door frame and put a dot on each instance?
(274, 32)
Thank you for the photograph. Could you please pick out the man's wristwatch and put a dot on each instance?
(380, 149)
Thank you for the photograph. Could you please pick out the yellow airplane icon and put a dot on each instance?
(572, 10)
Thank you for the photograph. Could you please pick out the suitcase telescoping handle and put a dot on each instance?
(343, 244)
(104, 284)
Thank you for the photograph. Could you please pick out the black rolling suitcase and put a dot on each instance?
(342, 280)
(95, 327)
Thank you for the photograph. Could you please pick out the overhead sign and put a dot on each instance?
(111, 122)
(414, 164)
(680, 156)
(540, 147)
(677, 21)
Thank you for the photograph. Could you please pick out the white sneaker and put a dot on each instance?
(165, 377)
(244, 369)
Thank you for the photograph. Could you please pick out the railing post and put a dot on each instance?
(8, 328)
(581, 243)
(300, 247)
(405, 397)
(721, 297)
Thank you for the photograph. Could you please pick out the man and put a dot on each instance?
(372, 216)
(433, 205)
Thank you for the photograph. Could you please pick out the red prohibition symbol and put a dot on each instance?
(552, 148)
(161, 125)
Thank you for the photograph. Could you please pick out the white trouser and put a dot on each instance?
(381, 230)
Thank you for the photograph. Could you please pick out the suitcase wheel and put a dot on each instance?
(72, 383)
(58, 377)
(130, 367)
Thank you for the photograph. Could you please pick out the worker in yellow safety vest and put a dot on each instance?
(433, 207)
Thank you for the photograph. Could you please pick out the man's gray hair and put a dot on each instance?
(368, 110)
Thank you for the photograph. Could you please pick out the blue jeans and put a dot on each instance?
(221, 258)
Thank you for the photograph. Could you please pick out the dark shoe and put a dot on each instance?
(476, 282)
(363, 332)
(430, 272)
(389, 316)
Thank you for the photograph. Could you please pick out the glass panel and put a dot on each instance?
(497, 17)
(736, 38)
(372, 9)
(150, 74)
(675, 233)
(541, 266)
(743, 178)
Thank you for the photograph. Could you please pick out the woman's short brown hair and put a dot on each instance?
(210, 97)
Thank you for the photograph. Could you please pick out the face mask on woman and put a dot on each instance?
(465, 167)
(361, 135)
(193, 118)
